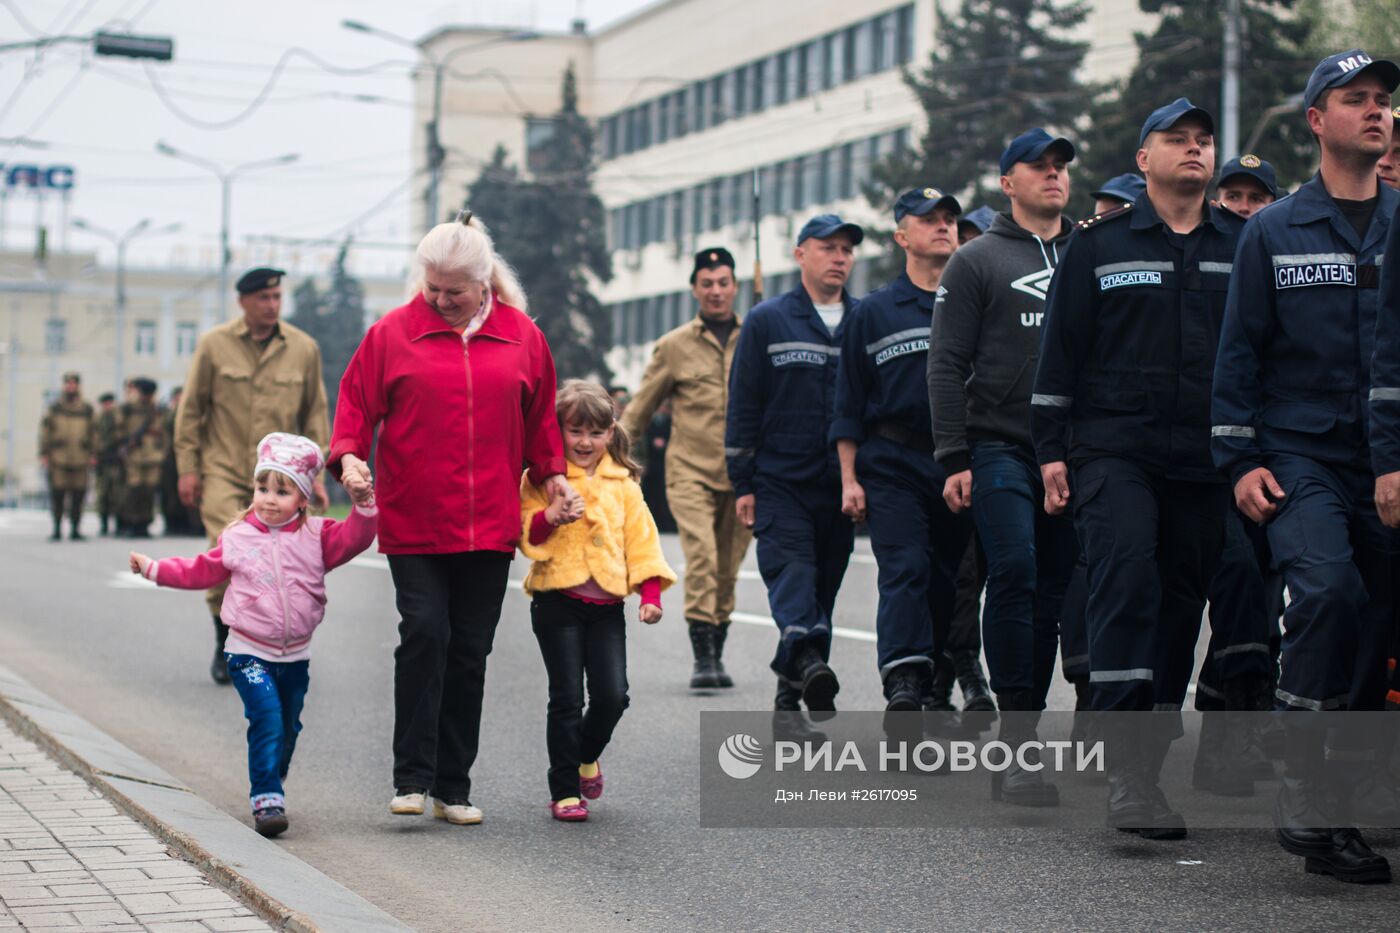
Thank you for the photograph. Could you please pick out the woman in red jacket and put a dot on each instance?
(459, 383)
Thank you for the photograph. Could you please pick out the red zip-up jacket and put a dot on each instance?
(456, 422)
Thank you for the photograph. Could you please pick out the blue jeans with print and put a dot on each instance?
(272, 694)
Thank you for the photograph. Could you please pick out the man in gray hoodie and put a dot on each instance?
(982, 359)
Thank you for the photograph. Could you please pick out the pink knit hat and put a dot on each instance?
(291, 455)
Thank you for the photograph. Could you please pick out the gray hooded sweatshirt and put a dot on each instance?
(986, 339)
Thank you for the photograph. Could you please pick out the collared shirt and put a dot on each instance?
(1295, 353)
(781, 389)
(1132, 324)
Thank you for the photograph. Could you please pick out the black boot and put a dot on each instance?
(1303, 808)
(905, 687)
(979, 710)
(218, 668)
(702, 642)
(1129, 807)
(1164, 822)
(722, 678)
(1016, 785)
(102, 528)
(1218, 769)
(73, 533)
(819, 683)
(789, 723)
(57, 528)
(942, 716)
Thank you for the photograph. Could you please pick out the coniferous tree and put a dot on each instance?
(1183, 58)
(550, 225)
(998, 68)
(335, 317)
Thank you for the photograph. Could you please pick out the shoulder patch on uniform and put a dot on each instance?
(1097, 219)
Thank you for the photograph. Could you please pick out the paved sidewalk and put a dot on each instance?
(69, 860)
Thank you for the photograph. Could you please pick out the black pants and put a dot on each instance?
(578, 640)
(965, 632)
(73, 499)
(449, 605)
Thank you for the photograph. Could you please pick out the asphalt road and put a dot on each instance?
(133, 660)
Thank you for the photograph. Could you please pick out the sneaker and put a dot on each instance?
(456, 812)
(592, 788)
(569, 810)
(408, 801)
(270, 821)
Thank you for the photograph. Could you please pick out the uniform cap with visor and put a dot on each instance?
(1344, 68)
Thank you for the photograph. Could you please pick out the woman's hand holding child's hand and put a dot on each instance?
(565, 506)
(360, 488)
(139, 563)
(650, 614)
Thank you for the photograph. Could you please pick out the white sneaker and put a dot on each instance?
(408, 804)
(460, 814)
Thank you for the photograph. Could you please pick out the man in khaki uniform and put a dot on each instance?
(67, 442)
(109, 463)
(690, 367)
(249, 377)
(141, 427)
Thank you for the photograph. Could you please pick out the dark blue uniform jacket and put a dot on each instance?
(884, 353)
(780, 394)
(1132, 323)
(1294, 368)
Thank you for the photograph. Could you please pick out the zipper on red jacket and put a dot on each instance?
(281, 587)
(471, 447)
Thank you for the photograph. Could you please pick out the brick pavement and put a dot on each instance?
(69, 860)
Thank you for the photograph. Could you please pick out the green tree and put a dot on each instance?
(550, 225)
(1344, 24)
(998, 68)
(335, 317)
(1182, 57)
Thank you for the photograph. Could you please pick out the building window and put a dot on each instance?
(783, 66)
(739, 80)
(831, 61)
(698, 108)
(845, 175)
(802, 73)
(663, 129)
(778, 182)
(697, 213)
(855, 53)
(759, 86)
(904, 35)
(797, 169)
(186, 336)
(55, 335)
(716, 204)
(145, 338)
(678, 216)
(718, 112)
(824, 176)
(680, 125)
(539, 132)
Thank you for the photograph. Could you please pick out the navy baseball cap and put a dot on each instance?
(1127, 187)
(1345, 67)
(980, 217)
(1030, 145)
(922, 200)
(1253, 166)
(828, 225)
(1164, 118)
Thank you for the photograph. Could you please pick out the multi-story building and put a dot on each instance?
(697, 104)
(60, 315)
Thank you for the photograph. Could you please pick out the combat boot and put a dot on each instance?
(73, 533)
(1018, 785)
(102, 528)
(218, 668)
(722, 678)
(1129, 807)
(819, 683)
(1163, 821)
(979, 709)
(1216, 771)
(702, 642)
(942, 718)
(789, 723)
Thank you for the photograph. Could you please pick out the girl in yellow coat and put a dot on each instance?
(590, 551)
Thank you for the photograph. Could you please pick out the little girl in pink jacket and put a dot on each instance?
(275, 558)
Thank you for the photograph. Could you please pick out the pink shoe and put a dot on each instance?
(569, 813)
(592, 788)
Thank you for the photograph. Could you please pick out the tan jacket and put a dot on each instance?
(690, 368)
(141, 426)
(67, 435)
(236, 394)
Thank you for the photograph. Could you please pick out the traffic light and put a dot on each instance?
(129, 46)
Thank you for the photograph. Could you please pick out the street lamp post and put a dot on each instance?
(120, 240)
(436, 154)
(226, 177)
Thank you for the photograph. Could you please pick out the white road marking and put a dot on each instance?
(126, 580)
(378, 562)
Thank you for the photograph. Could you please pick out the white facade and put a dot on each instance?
(690, 99)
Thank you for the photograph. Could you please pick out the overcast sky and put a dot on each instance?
(103, 116)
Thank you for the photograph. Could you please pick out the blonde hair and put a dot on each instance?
(465, 247)
(283, 481)
(589, 405)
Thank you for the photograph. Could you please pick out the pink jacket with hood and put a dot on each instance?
(277, 577)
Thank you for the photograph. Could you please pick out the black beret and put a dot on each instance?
(144, 386)
(73, 376)
(711, 258)
(255, 280)
(106, 397)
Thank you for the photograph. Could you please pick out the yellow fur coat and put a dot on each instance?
(615, 543)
